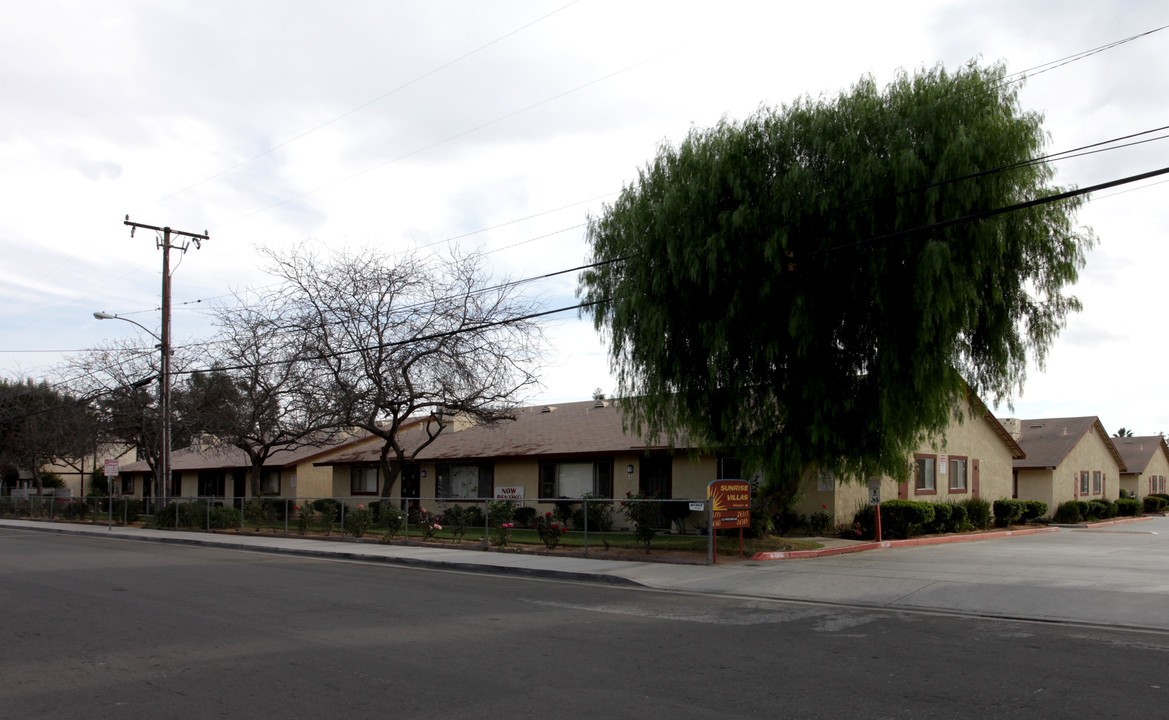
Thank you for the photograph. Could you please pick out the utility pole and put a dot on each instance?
(164, 242)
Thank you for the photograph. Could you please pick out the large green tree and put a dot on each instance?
(793, 288)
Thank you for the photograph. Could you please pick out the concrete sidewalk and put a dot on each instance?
(1117, 575)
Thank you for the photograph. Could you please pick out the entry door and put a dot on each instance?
(655, 476)
(239, 484)
(411, 485)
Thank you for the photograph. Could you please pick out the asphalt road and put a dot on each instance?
(95, 628)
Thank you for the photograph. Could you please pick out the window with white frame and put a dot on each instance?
(576, 479)
(958, 474)
(1084, 487)
(925, 476)
(1097, 483)
(464, 481)
(363, 480)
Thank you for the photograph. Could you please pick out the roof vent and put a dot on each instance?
(547, 409)
(600, 404)
(1036, 425)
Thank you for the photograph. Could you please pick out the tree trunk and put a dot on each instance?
(391, 469)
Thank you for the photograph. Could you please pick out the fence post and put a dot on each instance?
(285, 517)
(486, 523)
(584, 502)
(709, 532)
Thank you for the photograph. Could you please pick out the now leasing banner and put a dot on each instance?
(731, 500)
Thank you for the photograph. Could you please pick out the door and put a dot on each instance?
(411, 486)
(656, 480)
(239, 485)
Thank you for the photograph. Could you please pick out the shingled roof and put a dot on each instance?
(1047, 441)
(568, 429)
(1138, 451)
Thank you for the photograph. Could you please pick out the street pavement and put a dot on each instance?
(1114, 575)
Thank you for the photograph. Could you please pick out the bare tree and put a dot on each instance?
(122, 380)
(410, 342)
(257, 396)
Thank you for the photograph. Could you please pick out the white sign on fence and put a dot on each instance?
(510, 493)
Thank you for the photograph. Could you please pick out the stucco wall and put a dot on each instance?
(974, 438)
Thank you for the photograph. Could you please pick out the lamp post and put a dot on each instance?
(163, 401)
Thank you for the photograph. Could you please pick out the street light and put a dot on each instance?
(107, 316)
(163, 401)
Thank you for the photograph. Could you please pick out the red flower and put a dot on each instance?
(547, 514)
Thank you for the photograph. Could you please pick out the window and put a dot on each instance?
(957, 474)
(211, 483)
(464, 482)
(1084, 482)
(270, 482)
(1097, 485)
(574, 479)
(127, 484)
(925, 479)
(363, 480)
(730, 468)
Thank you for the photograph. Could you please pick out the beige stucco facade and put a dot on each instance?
(1065, 481)
(976, 440)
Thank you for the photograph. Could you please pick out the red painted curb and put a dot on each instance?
(889, 544)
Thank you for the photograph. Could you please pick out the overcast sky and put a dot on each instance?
(405, 125)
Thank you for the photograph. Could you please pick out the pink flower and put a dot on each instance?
(360, 507)
(438, 527)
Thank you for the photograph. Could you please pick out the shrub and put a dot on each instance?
(1153, 504)
(224, 518)
(1067, 513)
(500, 512)
(905, 518)
(1033, 510)
(357, 520)
(474, 515)
(1128, 507)
(1007, 512)
(132, 510)
(328, 516)
(257, 513)
(942, 514)
(1097, 510)
(864, 523)
(1108, 507)
(784, 521)
(675, 514)
(322, 504)
(455, 520)
(1163, 496)
(977, 512)
(563, 509)
(550, 530)
(816, 524)
(304, 518)
(600, 515)
(642, 512)
(523, 516)
(958, 519)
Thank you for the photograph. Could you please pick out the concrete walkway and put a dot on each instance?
(1112, 575)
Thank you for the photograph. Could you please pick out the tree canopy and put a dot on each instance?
(794, 289)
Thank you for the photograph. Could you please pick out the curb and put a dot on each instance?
(890, 544)
(340, 554)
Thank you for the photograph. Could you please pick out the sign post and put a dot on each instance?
(110, 473)
(730, 506)
(875, 501)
